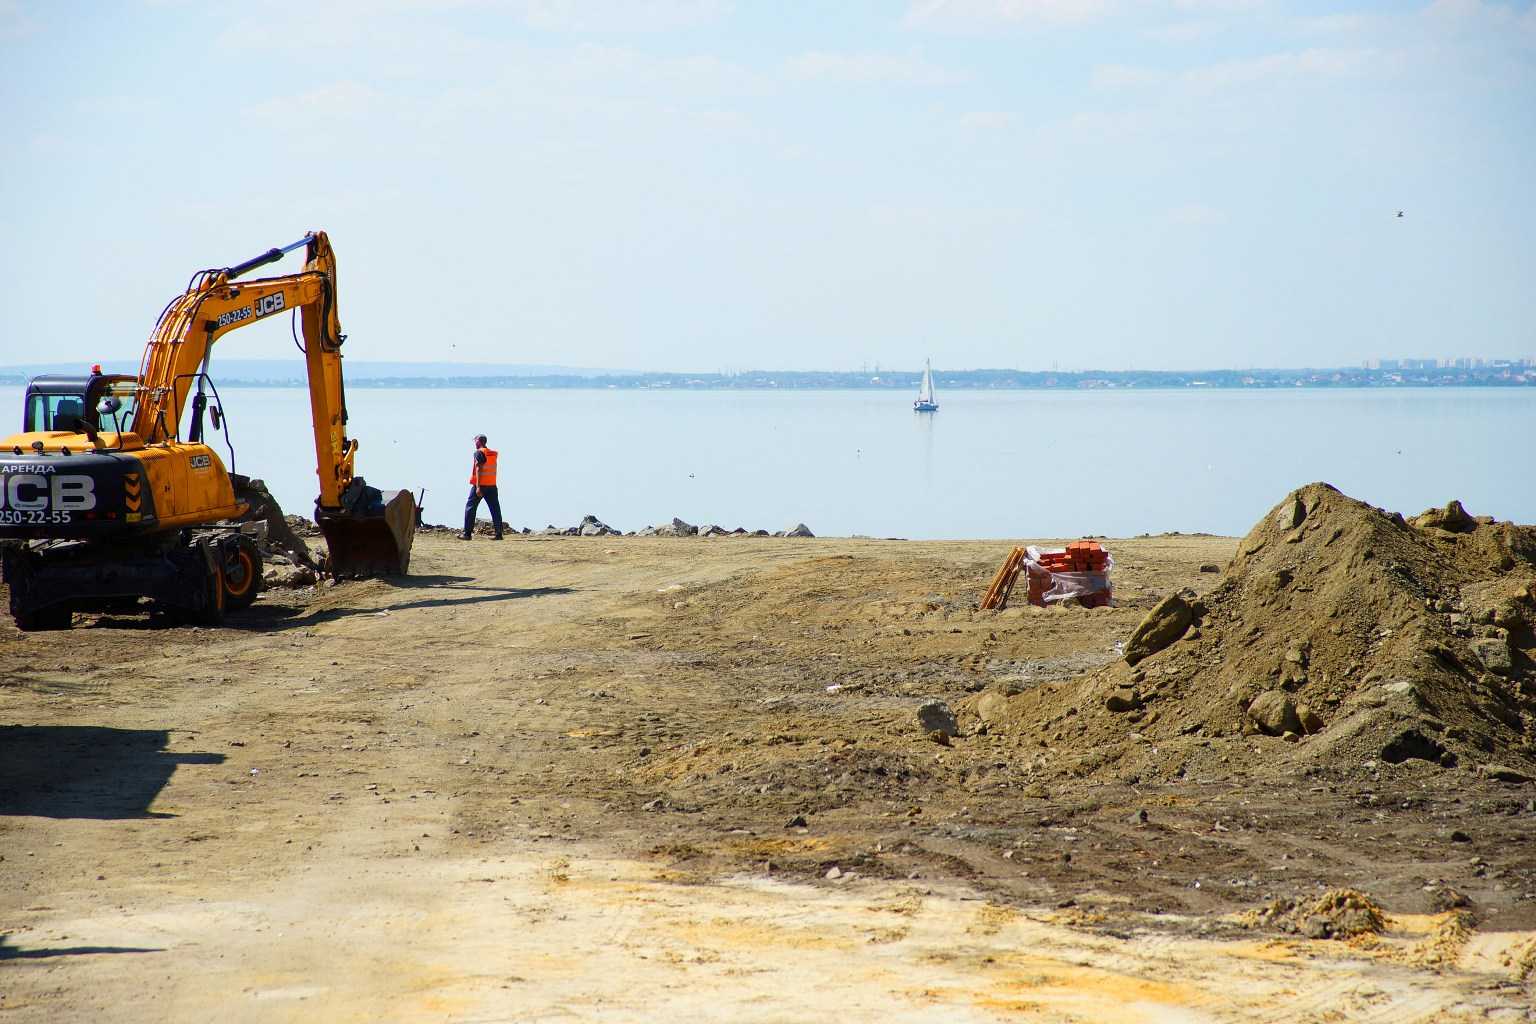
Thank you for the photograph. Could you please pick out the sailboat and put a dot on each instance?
(925, 402)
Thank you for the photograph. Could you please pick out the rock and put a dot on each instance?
(1317, 927)
(799, 530)
(283, 532)
(1122, 699)
(591, 526)
(1276, 581)
(936, 719)
(760, 533)
(1273, 712)
(1494, 654)
(834, 872)
(1210, 567)
(1290, 513)
(1502, 773)
(676, 528)
(1443, 898)
(289, 577)
(1140, 817)
(1458, 836)
(1164, 624)
(1453, 518)
(1310, 721)
(551, 531)
(713, 531)
(991, 707)
(798, 821)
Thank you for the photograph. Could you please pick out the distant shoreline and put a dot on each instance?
(967, 380)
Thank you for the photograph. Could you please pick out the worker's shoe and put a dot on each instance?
(464, 536)
(496, 537)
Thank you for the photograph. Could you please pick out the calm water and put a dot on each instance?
(988, 464)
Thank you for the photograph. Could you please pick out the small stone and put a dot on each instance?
(798, 821)
(1210, 567)
(834, 872)
(1290, 513)
(991, 706)
(1443, 898)
(1140, 817)
(1164, 624)
(1458, 836)
(1122, 699)
(1310, 722)
(936, 720)
(1453, 518)
(1494, 654)
(1503, 773)
(1273, 712)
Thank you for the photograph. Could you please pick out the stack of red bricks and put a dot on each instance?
(1083, 556)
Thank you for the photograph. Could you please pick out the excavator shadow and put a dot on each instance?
(86, 771)
(8, 952)
(456, 591)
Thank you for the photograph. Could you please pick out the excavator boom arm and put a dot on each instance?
(215, 304)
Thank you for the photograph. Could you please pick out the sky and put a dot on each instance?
(739, 184)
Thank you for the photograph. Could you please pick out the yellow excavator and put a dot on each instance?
(104, 506)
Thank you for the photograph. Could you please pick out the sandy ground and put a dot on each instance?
(608, 778)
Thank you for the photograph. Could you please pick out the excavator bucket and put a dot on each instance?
(371, 534)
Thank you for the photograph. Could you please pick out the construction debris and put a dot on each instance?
(1080, 570)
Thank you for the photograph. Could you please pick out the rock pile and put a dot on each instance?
(1354, 634)
(676, 528)
(288, 561)
(590, 526)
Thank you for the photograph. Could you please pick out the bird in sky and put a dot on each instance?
(1399, 214)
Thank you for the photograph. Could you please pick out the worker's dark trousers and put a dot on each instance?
(492, 501)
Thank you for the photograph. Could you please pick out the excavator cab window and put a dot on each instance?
(55, 412)
(124, 391)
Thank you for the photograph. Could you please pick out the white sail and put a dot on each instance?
(925, 402)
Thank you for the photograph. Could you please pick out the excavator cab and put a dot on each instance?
(75, 403)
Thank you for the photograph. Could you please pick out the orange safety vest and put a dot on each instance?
(484, 476)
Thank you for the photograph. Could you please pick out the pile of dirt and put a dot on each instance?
(1337, 914)
(1340, 635)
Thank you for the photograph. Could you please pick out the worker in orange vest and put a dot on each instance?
(482, 484)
